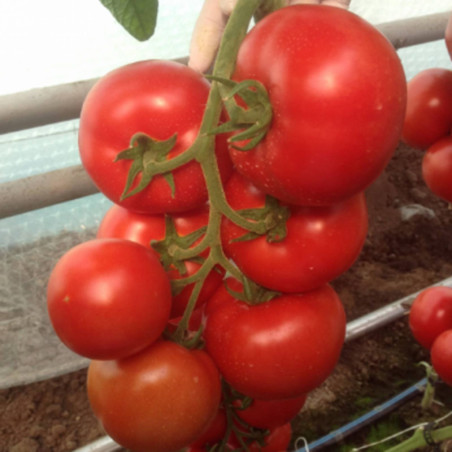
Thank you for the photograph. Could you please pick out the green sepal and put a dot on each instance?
(273, 215)
(253, 120)
(252, 293)
(144, 152)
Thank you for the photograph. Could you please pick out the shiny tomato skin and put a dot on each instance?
(122, 223)
(431, 314)
(278, 349)
(437, 168)
(160, 399)
(338, 93)
(159, 99)
(269, 414)
(441, 355)
(429, 108)
(108, 298)
(321, 242)
(214, 433)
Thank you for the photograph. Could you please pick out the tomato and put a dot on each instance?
(122, 223)
(161, 399)
(108, 298)
(431, 314)
(321, 242)
(268, 414)
(429, 108)
(213, 434)
(437, 168)
(278, 349)
(338, 93)
(441, 354)
(157, 98)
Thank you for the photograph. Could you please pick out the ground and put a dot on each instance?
(409, 247)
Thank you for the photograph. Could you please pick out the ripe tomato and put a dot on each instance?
(108, 298)
(213, 434)
(278, 349)
(122, 223)
(437, 168)
(157, 98)
(431, 314)
(441, 354)
(338, 93)
(268, 414)
(321, 242)
(161, 399)
(429, 108)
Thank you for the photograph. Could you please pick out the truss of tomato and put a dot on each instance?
(338, 93)
(429, 108)
(431, 314)
(277, 349)
(123, 223)
(437, 168)
(108, 298)
(321, 242)
(441, 354)
(164, 100)
(162, 398)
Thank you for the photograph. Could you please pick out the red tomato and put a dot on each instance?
(429, 108)
(431, 314)
(321, 242)
(268, 414)
(338, 93)
(161, 399)
(213, 434)
(122, 223)
(157, 98)
(441, 354)
(279, 349)
(108, 298)
(437, 168)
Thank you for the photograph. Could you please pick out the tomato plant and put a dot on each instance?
(277, 349)
(102, 302)
(162, 398)
(431, 314)
(164, 100)
(321, 242)
(437, 168)
(144, 229)
(338, 93)
(429, 108)
(441, 354)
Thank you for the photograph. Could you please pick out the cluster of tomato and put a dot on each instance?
(428, 126)
(338, 95)
(430, 321)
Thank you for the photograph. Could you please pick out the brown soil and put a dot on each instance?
(399, 258)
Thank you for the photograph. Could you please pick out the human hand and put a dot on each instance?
(448, 36)
(210, 26)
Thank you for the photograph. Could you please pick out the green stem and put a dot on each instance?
(418, 440)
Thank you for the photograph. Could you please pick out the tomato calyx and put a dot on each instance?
(255, 117)
(167, 248)
(252, 293)
(144, 152)
(273, 215)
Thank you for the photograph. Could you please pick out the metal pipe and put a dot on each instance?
(44, 190)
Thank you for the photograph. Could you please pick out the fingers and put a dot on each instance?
(448, 36)
(207, 35)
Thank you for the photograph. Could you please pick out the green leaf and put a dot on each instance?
(138, 17)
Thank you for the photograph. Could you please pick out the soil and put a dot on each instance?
(408, 248)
